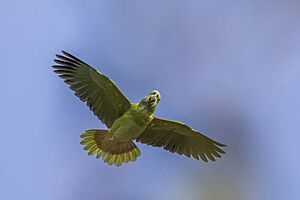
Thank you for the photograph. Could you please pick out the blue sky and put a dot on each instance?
(229, 69)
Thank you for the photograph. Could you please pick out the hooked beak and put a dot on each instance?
(152, 100)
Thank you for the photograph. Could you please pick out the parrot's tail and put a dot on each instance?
(101, 143)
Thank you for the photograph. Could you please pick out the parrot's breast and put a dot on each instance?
(129, 126)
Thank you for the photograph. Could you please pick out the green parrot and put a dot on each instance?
(127, 121)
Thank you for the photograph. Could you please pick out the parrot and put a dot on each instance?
(127, 122)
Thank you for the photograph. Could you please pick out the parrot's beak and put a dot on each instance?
(153, 98)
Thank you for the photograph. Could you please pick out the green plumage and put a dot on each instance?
(127, 121)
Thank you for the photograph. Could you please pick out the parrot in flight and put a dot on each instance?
(127, 121)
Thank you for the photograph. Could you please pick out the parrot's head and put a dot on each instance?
(151, 100)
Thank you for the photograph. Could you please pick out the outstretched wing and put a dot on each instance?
(177, 137)
(99, 92)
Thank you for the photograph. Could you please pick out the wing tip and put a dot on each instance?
(65, 52)
(220, 144)
(57, 61)
(61, 57)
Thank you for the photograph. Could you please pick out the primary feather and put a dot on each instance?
(177, 137)
(99, 92)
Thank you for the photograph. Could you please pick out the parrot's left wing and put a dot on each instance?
(99, 92)
(177, 137)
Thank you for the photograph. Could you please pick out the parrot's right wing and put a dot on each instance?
(100, 93)
(177, 137)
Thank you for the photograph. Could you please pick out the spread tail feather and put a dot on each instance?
(101, 143)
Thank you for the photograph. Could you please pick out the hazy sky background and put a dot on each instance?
(230, 69)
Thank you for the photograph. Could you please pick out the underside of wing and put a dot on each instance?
(99, 92)
(177, 137)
